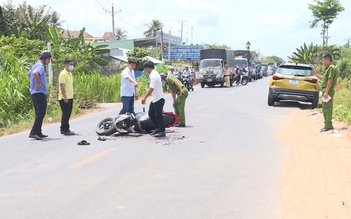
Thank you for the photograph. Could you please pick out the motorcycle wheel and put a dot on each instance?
(244, 81)
(106, 127)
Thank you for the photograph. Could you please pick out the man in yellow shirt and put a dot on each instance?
(66, 96)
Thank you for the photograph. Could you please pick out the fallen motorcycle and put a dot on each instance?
(126, 123)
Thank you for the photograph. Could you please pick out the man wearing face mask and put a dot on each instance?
(66, 96)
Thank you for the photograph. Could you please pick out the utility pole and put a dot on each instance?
(169, 45)
(161, 45)
(181, 30)
(113, 13)
(113, 22)
(191, 35)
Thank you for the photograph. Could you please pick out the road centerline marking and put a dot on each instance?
(94, 157)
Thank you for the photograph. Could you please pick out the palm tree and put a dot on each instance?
(248, 45)
(306, 54)
(54, 20)
(121, 34)
(154, 26)
(312, 54)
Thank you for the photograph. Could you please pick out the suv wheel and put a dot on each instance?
(315, 103)
(270, 101)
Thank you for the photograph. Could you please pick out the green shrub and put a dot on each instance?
(342, 105)
(15, 99)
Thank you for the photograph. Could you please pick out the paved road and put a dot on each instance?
(225, 164)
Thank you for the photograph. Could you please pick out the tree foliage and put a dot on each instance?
(312, 54)
(267, 60)
(248, 45)
(276, 59)
(121, 34)
(306, 54)
(28, 21)
(153, 27)
(325, 11)
(216, 46)
(139, 54)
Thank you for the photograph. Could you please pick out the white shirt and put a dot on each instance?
(186, 73)
(172, 74)
(156, 84)
(127, 87)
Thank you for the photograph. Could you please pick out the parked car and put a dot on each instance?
(258, 68)
(264, 70)
(270, 70)
(294, 82)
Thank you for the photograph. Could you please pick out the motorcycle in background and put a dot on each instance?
(188, 82)
(243, 78)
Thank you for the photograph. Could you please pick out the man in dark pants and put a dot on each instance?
(66, 96)
(158, 100)
(37, 79)
(128, 86)
(328, 83)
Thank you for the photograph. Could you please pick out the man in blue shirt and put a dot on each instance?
(37, 79)
(128, 86)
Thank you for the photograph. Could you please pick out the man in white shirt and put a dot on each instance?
(171, 73)
(186, 72)
(157, 102)
(128, 86)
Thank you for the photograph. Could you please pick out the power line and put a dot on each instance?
(194, 30)
(130, 24)
(94, 6)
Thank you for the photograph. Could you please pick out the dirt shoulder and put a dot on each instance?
(316, 178)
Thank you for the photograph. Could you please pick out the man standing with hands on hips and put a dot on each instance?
(37, 79)
(66, 96)
(157, 102)
(328, 83)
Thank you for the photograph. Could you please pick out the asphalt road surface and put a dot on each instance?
(226, 163)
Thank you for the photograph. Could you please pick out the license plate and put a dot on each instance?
(209, 80)
(294, 82)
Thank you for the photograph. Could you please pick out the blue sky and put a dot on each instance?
(274, 27)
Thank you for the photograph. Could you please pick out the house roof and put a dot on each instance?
(108, 36)
(156, 61)
(75, 34)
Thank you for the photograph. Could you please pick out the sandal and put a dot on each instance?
(101, 138)
(83, 142)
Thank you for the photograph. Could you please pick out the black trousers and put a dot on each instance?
(156, 114)
(39, 102)
(66, 109)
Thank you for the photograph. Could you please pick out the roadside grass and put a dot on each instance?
(342, 104)
(89, 89)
